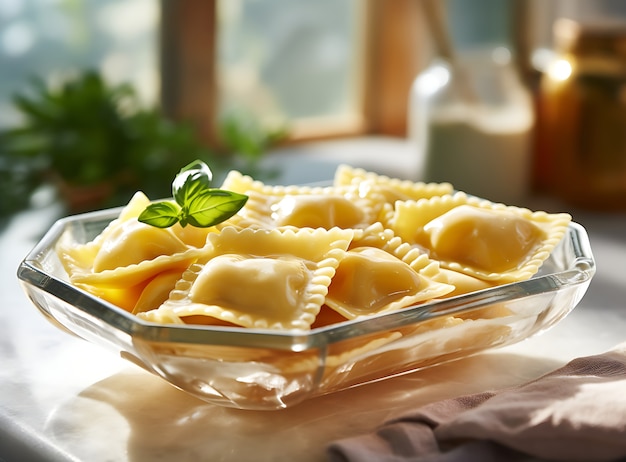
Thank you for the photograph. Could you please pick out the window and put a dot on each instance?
(328, 67)
(291, 59)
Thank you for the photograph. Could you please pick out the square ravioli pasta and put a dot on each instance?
(478, 238)
(346, 207)
(262, 278)
(121, 264)
(299, 257)
(282, 278)
(392, 189)
(380, 273)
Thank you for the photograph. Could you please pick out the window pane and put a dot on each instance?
(50, 38)
(290, 59)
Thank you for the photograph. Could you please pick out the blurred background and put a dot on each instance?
(118, 94)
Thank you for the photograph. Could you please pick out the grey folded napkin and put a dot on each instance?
(575, 413)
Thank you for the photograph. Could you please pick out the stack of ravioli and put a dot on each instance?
(301, 257)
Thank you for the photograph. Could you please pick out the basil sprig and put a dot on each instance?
(196, 203)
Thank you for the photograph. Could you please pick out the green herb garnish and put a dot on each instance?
(196, 202)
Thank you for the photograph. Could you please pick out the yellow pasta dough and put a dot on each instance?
(134, 254)
(121, 264)
(298, 257)
(371, 281)
(346, 207)
(275, 279)
(490, 241)
(463, 283)
(157, 291)
(393, 189)
(379, 273)
(134, 242)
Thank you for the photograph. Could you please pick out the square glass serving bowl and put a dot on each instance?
(265, 369)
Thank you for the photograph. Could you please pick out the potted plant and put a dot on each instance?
(95, 143)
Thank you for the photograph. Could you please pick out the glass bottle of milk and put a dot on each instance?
(473, 125)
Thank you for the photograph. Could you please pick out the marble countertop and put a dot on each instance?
(63, 399)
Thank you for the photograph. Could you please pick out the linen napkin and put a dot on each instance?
(575, 413)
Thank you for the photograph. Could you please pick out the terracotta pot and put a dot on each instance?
(84, 198)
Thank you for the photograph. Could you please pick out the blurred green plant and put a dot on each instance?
(97, 145)
(243, 135)
(18, 180)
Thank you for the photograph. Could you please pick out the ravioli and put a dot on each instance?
(79, 258)
(274, 279)
(125, 263)
(371, 281)
(134, 242)
(379, 274)
(157, 290)
(194, 236)
(393, 189)
(118, 263)
(463, 283)
(490, 241)
(299, 257)
(317, 211)
(349, 207)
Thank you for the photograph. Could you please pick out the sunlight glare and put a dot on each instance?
(433, 79)
(560, 70)
(18, 38)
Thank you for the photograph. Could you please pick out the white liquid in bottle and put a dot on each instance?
(483, 146)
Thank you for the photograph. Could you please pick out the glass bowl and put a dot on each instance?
(262, 369)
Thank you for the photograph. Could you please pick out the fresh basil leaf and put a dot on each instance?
(192, 180)
(196, 203)
(212, 207)
(160, 214)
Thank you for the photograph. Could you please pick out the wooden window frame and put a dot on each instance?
(390, 60)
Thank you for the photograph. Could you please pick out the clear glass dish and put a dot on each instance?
(262, 369)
